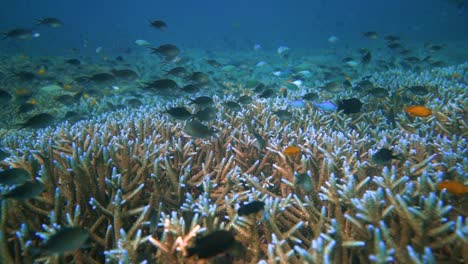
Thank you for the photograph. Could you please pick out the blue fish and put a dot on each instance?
(326, 106)
(298, 103)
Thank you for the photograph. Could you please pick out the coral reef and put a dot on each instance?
(144, 189)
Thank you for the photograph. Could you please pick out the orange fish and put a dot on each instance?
(22, 91)
(292, 151)
(418, 111)
(453, 187)
(456, 75)
(41, 71)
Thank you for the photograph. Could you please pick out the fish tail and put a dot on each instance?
(191, 251)
(399, 156)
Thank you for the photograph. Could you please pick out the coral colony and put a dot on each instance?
(261, 180)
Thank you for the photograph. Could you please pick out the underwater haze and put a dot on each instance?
(234, 24)
(234, 132)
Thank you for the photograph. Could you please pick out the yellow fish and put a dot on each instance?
(453, 187)
(41, 71)
(292, 151)
(418, 111)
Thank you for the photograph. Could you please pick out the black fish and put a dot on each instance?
(202, 101)
(245, 99)
(125, 73)
(25, 191)
(24, 76)
(198, 130)
(394, 46)
(350, 106)
(14, 176)
(371, 34)
(283, 115)
(73, 117)
(207, 114)
(101, 77)
(214, 63)
(379, 92)
(251, 208)
(159, 24)
(74, 62)
(162, 85)
(304, 181)
(267, 93)
(178, 71)
(39, 121)
(191, 88)
(383, 156)
(199, 77)
(364, 86)
(234, 106)
(391, 38)
(66, 239)
(180, 113)
(418, 90)
(259, 88)
(169, 51)
(50, 22)
(67, 99)
(18, 33)
(134, 102)
(212, 244)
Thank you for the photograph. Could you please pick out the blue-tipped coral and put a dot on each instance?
(147, 191)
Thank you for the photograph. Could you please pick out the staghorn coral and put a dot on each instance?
(144, 190)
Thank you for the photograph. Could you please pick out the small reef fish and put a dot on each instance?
(383, 156)
(66, 239)
(257, 47)
(251, 208)
(304, 181)
(350, 106)
(142, 42)
(298, 103)
(38, 121)
(196, 129)
(418, 111)
(25, 191)
(41, 71)
(260, 64)
(14, 176)
(282, 50)
(212, 244)
(452, 187)
(371, 35)
(180, 113)
(159, 24)
(50, 22)
(326, 106)
(292, 151)
(333, 39)
(260, 143)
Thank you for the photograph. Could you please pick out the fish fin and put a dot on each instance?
(191, 251)
(399, 156)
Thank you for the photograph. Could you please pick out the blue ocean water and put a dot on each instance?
(240, 24)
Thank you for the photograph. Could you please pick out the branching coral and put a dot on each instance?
(145, 190)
